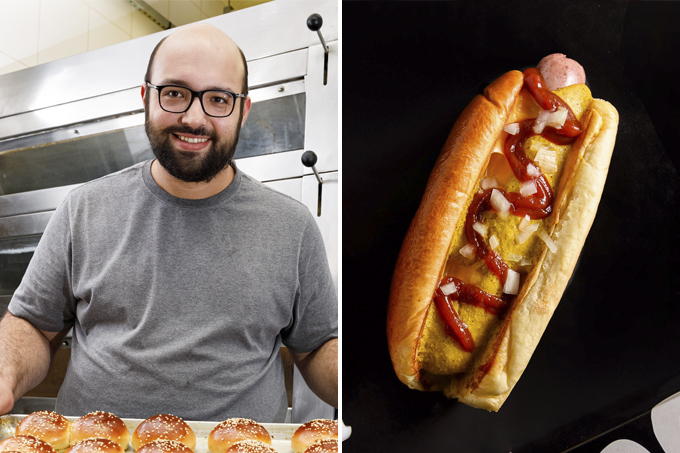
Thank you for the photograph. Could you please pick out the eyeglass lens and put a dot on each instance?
(177, 99)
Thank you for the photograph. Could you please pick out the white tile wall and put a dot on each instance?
(119, 13)
(9, 64)
(57, 41)
(142, 25)
(184, 12)
(103, 32)
(19, 32)
(37, 31)
(162, 6)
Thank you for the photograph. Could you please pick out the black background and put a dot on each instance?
(612, 349)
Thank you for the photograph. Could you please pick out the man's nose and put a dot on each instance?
(195, 116)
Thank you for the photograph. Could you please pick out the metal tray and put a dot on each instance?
(281, 433)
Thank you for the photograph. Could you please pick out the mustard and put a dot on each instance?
(438, 353)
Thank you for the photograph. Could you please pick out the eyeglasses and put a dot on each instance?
(177, 99)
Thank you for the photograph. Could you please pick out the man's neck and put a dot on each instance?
(191, 190)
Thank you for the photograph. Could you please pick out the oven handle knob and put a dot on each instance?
(314, 23)
(309, 160)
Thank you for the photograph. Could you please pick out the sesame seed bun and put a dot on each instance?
(163, 427)
(94, 445)
(233, 430)
(311, 431)
(250, 446)
(164, 446)
(25, 444)
(49, 426)
(103, 425)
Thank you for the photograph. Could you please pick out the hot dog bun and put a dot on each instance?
(497, 364)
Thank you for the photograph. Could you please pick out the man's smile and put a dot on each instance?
(190, 142)
(191, 139)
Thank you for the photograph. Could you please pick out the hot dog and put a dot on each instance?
(501, 224)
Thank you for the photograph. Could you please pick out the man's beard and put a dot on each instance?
(190, 166)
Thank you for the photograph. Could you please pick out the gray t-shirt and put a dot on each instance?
(179, 306)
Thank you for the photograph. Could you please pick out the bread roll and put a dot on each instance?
(250, 446)
(323, 446)
(48, 426)
(25, 444)
(311, 431)
(94, 445)
(164, 446)
(230, 431)
(103, 425)
(163, 427)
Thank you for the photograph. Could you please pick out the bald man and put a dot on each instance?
(181, 277)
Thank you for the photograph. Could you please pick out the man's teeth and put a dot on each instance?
(192, 140)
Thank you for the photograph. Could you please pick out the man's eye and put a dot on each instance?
(173, 94)
(218, 100)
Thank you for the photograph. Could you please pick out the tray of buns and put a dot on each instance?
(70, 434)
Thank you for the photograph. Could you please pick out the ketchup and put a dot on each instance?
(537, 206)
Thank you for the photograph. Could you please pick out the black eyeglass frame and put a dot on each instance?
(196, 94)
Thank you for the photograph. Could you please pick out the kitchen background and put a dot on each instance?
(70, 72)
(32, 32)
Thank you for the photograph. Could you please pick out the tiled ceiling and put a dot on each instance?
(33, 32)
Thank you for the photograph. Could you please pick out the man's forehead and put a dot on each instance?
(203, 51)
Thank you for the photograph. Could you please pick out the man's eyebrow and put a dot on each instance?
(183, 83)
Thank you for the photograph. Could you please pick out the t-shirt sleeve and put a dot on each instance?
(315, 310)
(45, 296)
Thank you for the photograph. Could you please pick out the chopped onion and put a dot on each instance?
(526, 233)
(514, 257)
(479, 228)
(547, 159)
(528, 188)
(549, 242)
(494, 242)
(532, 170)
(541, 121)
(536, 145)
(511, 283)
(525, 222)
(525, 262)
(512, 129)
(500, 204)
(554, 119)
(557, 118)
(488, 183)
(449, 288)
(468, 251)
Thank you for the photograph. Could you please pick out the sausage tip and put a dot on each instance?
(558, 71)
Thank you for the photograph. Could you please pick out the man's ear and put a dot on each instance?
(144, 94)
(246, 110)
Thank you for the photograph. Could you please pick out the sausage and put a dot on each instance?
(558, 71)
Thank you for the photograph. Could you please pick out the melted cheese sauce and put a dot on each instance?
(440, 354)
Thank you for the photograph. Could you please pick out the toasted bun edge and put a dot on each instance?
(428, 239)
